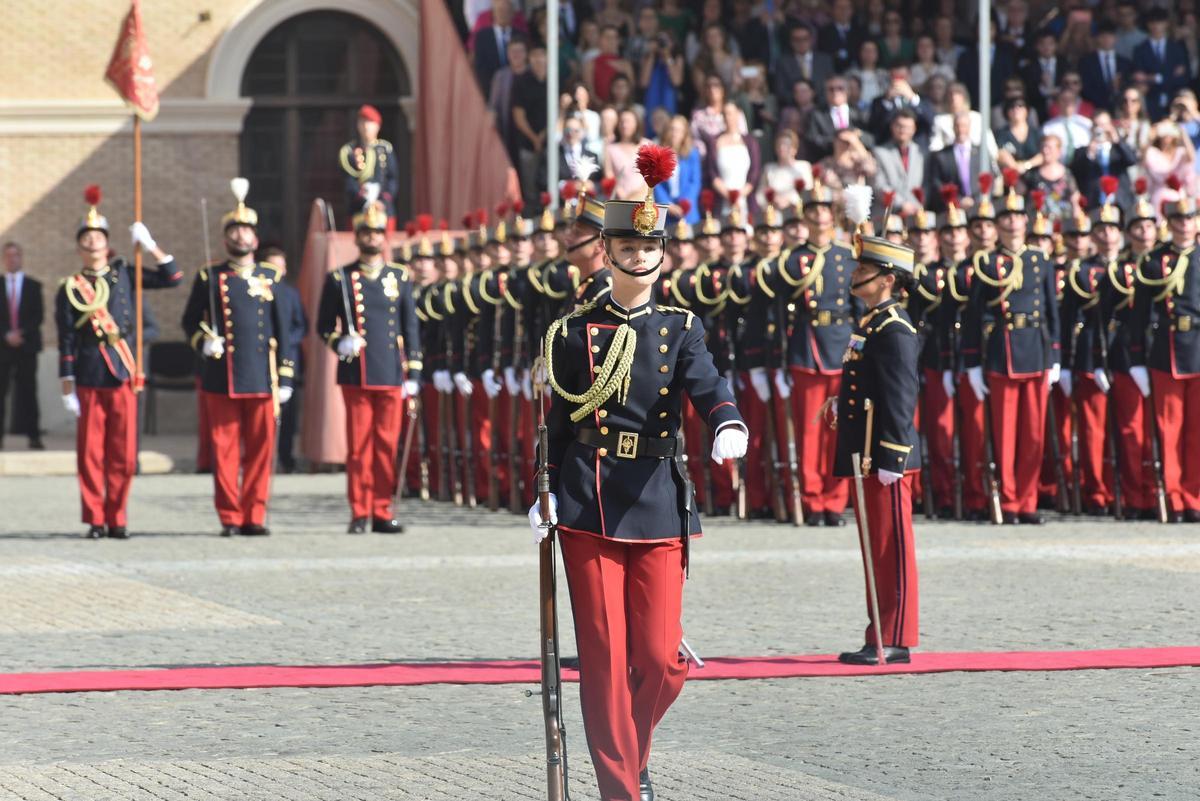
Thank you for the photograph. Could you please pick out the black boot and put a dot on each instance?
(867, 656)
(834, 519)
(645, 785)
(381, 526)
(36, 444)
(118, 533)
(255, 530)
(95, 532)
(357, 526)
(814, 519)
(230, 531)
(1031, 518)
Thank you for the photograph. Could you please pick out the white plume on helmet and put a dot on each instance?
(857, 198)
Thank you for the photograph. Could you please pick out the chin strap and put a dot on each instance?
(583, 243)
(662, 255)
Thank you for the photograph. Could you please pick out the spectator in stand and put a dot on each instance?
(589, 43)
(507, 16)
(660, 76)
(620, 95)
(573, 148)
(500, 96)
(1185, 34)
(800, 63)
(872, 80)
(708, 120)
(1104, 70)
(489, 51)
(1184, 112)
(948, 50)
(956, 164)
(935, 91)
(894, 47)
(608, 128)
(841, 37)
(1161, 63)
(780, 175)
(598, 73)
(1169, 156)
(529, 123)
(1043, 73)
(850, 163)
(795, 117)
(1013, 26)
(676, 20)
(1105, 155)
(1014, 89)
(613, 13)
(926, 64)
(576, 104)
(750, 33)
(1071, 80)
(1072, 128)
(900, 95)
(958, 101)
(715, 58)
(621, 155)
(647, 32)
(659, 120)
(758, 105)
(1019, 142)
(1129, 35)
(872, 20)
(900, 164)
(733, 161)
(836, 115)
(711, 13)
(1132, 122)
(684, 183)
(568, 56)
(1076, 37)
(1003, 65)
(1052, 178)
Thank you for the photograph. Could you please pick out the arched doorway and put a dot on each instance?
(306, 80)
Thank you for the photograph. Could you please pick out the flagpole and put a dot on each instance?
(138, 380)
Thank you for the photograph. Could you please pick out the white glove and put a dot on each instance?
(213, 347)
(975, 378)
(372, 188)
(412, 388)
(535, 518)
(1101, 379)
(887, 478)
(948, 382)
(511, 382)
(71, 403)
(1053, 374)
(442, 382)
(730, 443)
(465, 388)
(1141, 377)
(285, 394)
(781, 385)
(350, 345)
(1065, 382)
(490, 385)
(141, 236)
(762, 386)
(538, 375)
(526, 385)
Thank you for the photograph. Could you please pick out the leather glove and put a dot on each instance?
(511, 382)
(71, 403)
(535, 519)
(465, 387)
(730, 443)
(1065, 382)
(762, 386)
(213, 347)
(442, 382)
(141, 236)
(285, 394)
(1101, 379)
(412, 388)
(490, 385)
(349, 346)
(1141, 377)
(781, 385)
(975, 378)
(887, 478)
(948, 382)
(1053, 374)
(526, 385)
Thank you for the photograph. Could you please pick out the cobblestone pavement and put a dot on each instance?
(462, 584)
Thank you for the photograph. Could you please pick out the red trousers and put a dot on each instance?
(243, 440)
(820, 489)
(1048, 479)
(1134, 451)
(106, 452)
(431, 410)
(373, 421)
(757, 464)
(698, 438)
(1177, 411)
(1018, 408)
(481, 432)
(626, 599)
(970, 446)
(937, 424)
(889, 519)
(1095, 477)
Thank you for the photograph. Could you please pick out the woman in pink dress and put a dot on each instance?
(1170, 154)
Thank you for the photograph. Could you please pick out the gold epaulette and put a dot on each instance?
(680, 310)
(405, 273)
(893, 317)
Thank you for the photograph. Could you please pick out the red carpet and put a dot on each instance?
(526, 672)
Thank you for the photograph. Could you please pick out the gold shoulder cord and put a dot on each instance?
(713, 301)
(680, 310)
(1173, 278)
(729, 293)
(466, 293)
(548, 290)
(368, 168)
(811, 279)
(80, 305)
(535, 277)
(1092, 297)
(484, 277)
(429, 307)
(675, 290)
(1005, 283)
(614, 375)
(760, 273)
(1125, 289)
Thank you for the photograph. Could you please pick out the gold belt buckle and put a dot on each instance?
(824, 317)
(1019, 320)
(1185, 324)
(627, 443)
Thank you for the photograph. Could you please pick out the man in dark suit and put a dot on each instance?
(841, 37)
(825, 122)
(1041, 75)
(573, 148)
(957, 164)
(21, 315)
(1160, 64)
(297, 321)
(1105, 155)
(801, 63)
(1004, 64)
(489, 51)
(1103, 71)
(900, 96)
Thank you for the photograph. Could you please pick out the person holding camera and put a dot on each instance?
(660, 72)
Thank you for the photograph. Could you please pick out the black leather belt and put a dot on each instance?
(629, 445)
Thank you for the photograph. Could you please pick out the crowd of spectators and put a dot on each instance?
(754, 94)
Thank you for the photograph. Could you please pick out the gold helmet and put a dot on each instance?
(241, 214)
(93, 220)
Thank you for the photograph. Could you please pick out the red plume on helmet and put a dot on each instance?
(919, 194)
(1141, 185)
(1173, 182)
(481, 216)
(685, 206)
(544, 199)
(707, 198)
(734, 196)
(443, 224)
(1108, 185)
(949, 194)
(1058, 226)
(91, 194)
(816, 172)
(1038, 198)
(1083, 204)
(501, 211)
(985, 183)
(569, 190)
(424, 222)
(800, 184)
(608, 185)
(468, 221)
(410, 228)
(656, 163)
(887, 198)
(1010, 176)
(518, 206)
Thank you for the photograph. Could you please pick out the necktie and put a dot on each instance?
(1112, 68)
(1158, 51)
(838, 120)
(1104, 160)
(904, 158)
(964, 168)
(13, 302)
(1070, 148)
(503, 47)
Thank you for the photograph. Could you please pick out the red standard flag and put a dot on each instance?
(130, 70)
